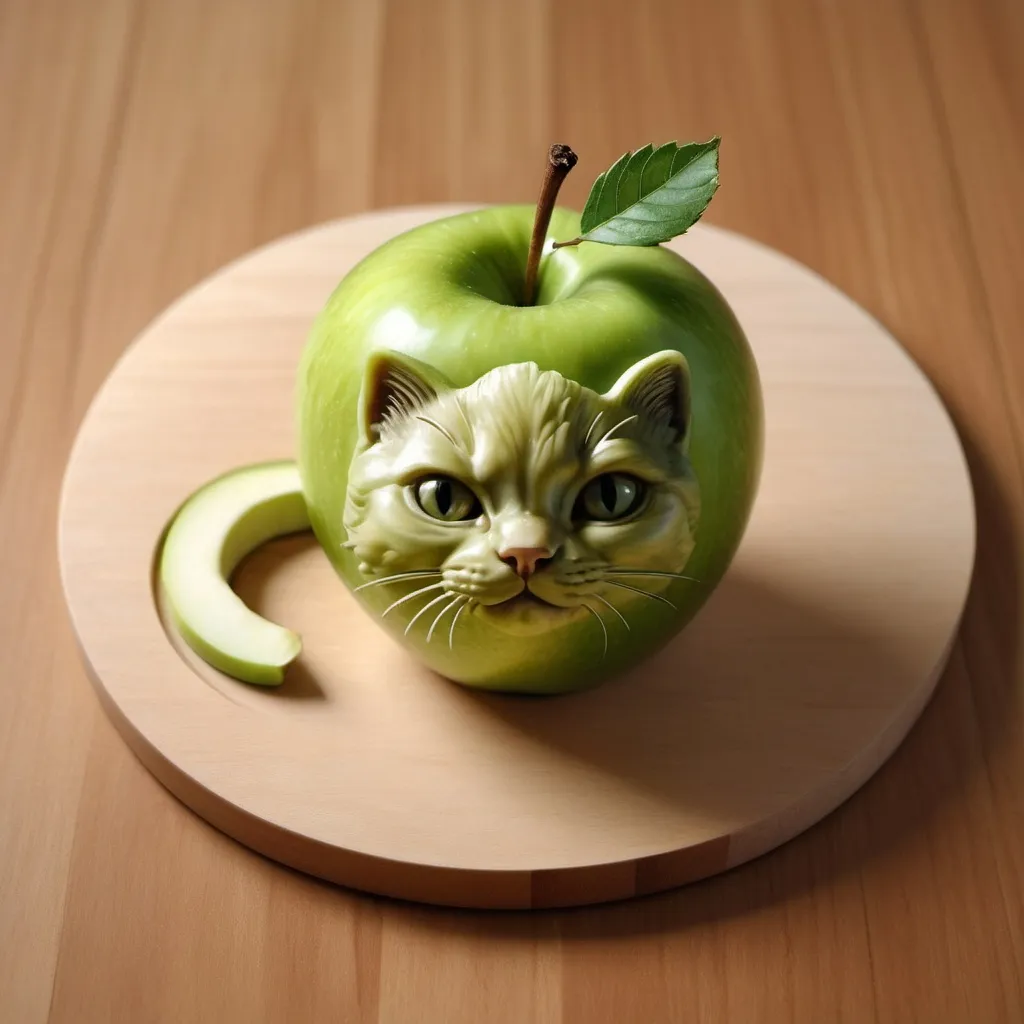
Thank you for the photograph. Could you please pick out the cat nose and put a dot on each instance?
(525, 561)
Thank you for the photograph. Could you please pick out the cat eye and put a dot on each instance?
(610, 496)
(447, 499)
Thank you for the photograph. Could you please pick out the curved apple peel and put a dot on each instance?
(211, 533)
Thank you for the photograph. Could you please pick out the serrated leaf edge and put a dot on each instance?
(597, 190)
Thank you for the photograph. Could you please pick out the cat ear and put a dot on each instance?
(658, 388)
(395, 386)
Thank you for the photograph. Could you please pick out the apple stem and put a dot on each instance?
(561, 160)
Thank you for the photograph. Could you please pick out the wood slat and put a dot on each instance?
(63, 134)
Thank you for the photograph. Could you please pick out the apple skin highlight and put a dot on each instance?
(448, 294)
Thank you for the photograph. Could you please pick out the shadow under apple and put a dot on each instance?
(803, 657)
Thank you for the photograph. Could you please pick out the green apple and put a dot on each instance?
(212, 532)
(448, 296)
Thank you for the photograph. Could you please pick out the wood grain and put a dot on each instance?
(147, 143)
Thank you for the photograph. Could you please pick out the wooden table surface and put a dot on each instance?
(146, 142)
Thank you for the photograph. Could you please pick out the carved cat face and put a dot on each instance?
(524, 495)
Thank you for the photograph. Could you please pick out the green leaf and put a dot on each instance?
(651, 195)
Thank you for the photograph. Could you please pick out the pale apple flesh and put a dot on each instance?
(213, 531)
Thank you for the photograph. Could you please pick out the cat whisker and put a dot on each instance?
(621, 423)
(398, 577)
(604, 629)
(644, 593)
(608, 604)
(451, 632)
(409, 597)
(454, 603)
(465, 418)
(426, 607)
(437, 426)
(650, 572)
(590, 430)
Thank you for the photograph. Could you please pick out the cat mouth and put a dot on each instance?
(524, 601)
(527, 597)
(525, 615)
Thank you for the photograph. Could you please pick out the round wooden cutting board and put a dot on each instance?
(793, 685)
